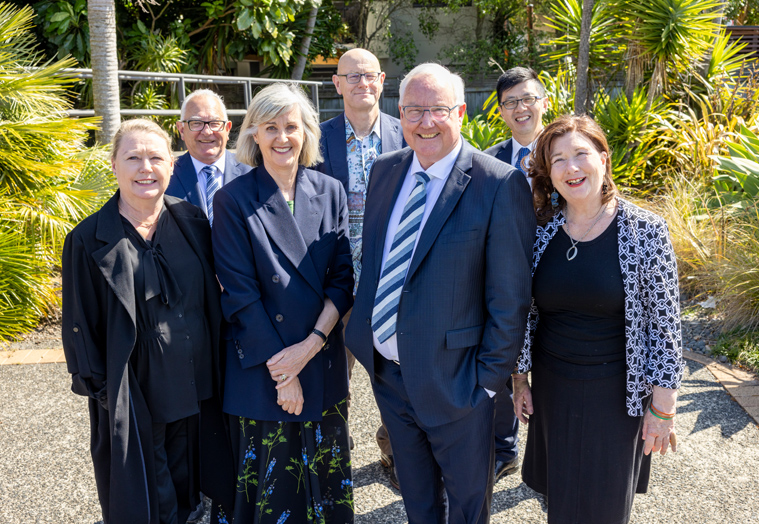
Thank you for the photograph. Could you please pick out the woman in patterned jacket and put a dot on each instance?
(603, 342)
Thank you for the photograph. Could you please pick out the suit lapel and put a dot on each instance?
(338, 153)
(446, 202)
(392, 136)
(188, 178)
(392, 180)
(231, 168)
(508, 151)
(308, 211)
(282, 227)
(113, 259)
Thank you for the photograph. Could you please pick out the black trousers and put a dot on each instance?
(459, 454)
(175, 451)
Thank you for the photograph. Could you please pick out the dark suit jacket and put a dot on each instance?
(184, 180)
(503, 151)
(99, 334)
(333, 149)
(461, 318)
(276, 268)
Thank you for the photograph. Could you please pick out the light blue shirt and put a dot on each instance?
(218, 174)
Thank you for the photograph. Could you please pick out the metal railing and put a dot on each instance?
(182, 79)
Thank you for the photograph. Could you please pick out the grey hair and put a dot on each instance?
(138, 125)
(203, 92)
(268, 104)
(441, 73)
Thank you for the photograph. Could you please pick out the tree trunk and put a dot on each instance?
(305, 44)
(105, 66)
(582, 91)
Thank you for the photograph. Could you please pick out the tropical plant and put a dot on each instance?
(739, 176)
(48, 180)
(480, 133)
(65, 26)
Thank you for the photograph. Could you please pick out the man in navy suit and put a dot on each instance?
(207, 165)
(350, 143)
(440, 312)
(522, 103)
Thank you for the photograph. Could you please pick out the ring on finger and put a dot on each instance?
(282, 377)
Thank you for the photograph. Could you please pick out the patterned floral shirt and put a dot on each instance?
(361, 156)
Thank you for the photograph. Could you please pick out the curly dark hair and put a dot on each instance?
(540, 162)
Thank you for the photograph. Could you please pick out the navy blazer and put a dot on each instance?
(332, 144)
(184, 180)
(276, 268)
(503, 151)
(467, 292)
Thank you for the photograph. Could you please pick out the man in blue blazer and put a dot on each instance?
(439, 316)
(522, 102)
(207, 165)
(350, 143)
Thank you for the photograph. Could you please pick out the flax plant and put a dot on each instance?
(48, 180)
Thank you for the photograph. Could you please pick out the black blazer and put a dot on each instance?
(467, 292)
(276, 268)
(99, 334)
(503, 151)
(184, 180)
(333, 148)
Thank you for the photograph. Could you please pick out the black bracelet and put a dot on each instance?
(320, 335)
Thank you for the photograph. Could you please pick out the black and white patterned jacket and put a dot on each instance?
(652, 303)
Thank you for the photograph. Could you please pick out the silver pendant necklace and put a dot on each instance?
(572, 251)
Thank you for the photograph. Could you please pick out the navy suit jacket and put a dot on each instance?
(333, 148)
(277, 268)
(503, 151)
(184, 180)
(461, 317)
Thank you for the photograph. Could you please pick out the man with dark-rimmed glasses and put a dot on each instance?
(350, 143)
(207, 165)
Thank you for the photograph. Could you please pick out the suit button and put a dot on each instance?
(275, 279)
(76, 330)
(278, 317)
(239, 350)
(241, 356)
(180, 315)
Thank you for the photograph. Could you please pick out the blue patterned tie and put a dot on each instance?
(385, 312)
(213, 184)
(523, 153)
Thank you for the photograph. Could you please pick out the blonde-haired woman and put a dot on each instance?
(141, 322)
(283, 258)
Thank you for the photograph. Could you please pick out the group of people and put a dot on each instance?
(214, 307)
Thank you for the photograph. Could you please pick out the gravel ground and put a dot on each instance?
(46, 473)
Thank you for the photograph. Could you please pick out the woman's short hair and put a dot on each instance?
(138, 125)
(440, 72)
(540, 162)
(268, 104)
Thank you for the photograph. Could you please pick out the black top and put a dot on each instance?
(581, 305)
(172, 358)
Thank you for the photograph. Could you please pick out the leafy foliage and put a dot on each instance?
(480, 133)
(65, 26)
(48, 180)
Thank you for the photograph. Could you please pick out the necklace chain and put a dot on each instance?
(140, 223)
(572, 251)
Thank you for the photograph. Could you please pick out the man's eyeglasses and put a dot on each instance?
(198, 125)
(528, 101)
(438, 113)
(355, 78)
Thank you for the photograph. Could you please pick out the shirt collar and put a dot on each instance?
(375, 128)
(442, 168)
(219, 164)
(516, 146)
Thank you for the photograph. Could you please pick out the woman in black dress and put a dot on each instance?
(283, 259)
(141, 322)
(603, 341)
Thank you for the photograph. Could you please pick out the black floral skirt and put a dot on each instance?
(295, 472)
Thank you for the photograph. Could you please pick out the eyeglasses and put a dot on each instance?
(198, 125)
(528, 101)
(438, 113)
(355, 78)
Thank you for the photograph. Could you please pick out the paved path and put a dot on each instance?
(46, 472)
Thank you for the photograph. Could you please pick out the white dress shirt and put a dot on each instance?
(217, 173)
(438, 173)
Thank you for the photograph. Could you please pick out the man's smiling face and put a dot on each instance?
(525, 122)
(205, 145)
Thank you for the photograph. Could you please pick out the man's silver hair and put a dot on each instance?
(441, 73)
(203, 92)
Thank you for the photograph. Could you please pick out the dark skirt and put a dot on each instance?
(294, 472)
(583, 451)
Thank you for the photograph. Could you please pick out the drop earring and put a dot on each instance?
(554, 199)
(605, 188)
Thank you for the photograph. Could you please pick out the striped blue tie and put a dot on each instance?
(385, 312)
(523, 153)
(213, 184)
